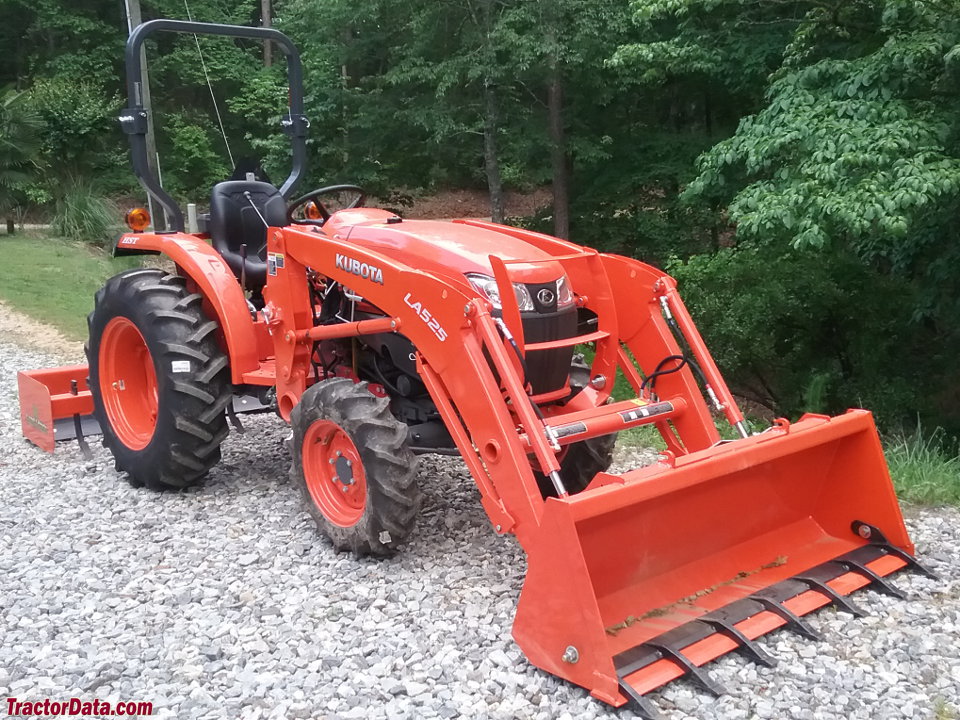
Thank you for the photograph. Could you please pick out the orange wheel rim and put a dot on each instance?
(128, 383)
(334, 473)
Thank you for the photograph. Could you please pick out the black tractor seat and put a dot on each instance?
(234, 222)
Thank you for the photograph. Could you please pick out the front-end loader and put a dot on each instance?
(379, 338)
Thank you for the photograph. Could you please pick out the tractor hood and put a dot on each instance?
(439, 247)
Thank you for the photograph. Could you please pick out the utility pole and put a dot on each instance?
(134, 19)
(266, 21)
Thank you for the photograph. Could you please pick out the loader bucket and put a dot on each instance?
(643, 578)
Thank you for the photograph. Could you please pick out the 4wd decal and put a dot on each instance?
(360, 269)
(427, 317)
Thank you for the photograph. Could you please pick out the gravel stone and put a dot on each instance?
(224, 602)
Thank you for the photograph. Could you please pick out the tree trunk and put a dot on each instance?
(158, 214)
(266, 21)
(491, 159)
(558, 154)
(347, 37)
(491, 113)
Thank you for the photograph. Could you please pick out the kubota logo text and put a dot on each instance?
(361, 269)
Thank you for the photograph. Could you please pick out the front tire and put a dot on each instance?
(159, 380)
(354, 466)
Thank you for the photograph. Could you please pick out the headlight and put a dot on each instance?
(565, 296)
(487, 286)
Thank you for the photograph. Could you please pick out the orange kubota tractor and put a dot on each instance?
(377, 338)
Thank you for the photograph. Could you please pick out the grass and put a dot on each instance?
(925, 467)
(53, 280)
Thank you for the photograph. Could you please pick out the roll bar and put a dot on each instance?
(133, 119)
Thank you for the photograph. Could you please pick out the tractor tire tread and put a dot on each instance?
(191, 423)
(393, 494)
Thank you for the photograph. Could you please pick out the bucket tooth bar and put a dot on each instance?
(671, 645)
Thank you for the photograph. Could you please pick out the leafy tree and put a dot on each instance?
(558, 49)
(812, 331)
(855, 155)
(19, 149)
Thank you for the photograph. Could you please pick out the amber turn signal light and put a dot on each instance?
(137, 219)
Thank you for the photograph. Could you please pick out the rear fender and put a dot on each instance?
(203, 265)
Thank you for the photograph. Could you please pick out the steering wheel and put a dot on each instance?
(324, 213)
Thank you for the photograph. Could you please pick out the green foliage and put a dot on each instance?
(77, 41)
(19, 148)
(707, 45)
(629, 203)
(82, 215)
(77, 119)
(800, 332)
(262, 101)
(925, 466)
(199, 165)
(857, 146)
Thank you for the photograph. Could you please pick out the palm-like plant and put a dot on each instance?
(19, 148)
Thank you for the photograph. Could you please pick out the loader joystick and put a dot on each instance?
(314, 195)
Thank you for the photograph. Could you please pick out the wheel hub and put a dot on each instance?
(128, 383)
(334, 473)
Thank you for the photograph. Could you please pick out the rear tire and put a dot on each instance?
(159, 380)
(581, 462)
(354, 466)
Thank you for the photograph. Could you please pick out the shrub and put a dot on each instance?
(83, 215)
(820, 332)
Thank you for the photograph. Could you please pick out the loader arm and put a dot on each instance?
(645, 576)
(441, 321)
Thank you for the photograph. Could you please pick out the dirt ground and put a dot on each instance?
(472, 204)
(27, 332)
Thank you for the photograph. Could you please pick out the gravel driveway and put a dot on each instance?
(224, 603)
